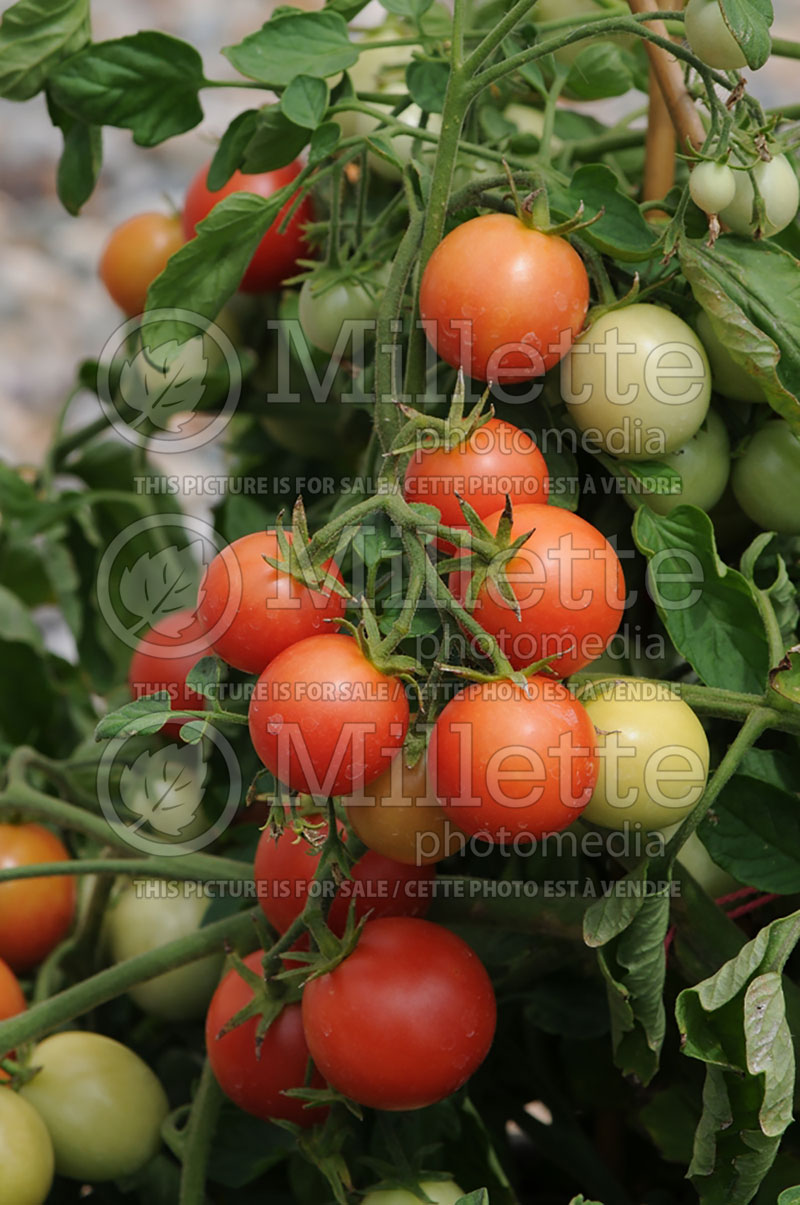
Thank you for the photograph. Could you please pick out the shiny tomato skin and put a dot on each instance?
(135, 254)
(506, 762)
(405, 1020)
(284, 868)
(277, 254)
(163, 658)
(323, 720)
(570, 587)
(513, 286)
(12, 997)
(257, 1084)
(496, 460)
(35, 914)
(251, 611)
(397, 815)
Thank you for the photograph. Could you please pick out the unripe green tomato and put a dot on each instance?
(26, 1152)
(727, 377)
(712, 186)
(704, 464)
(652, 752)
(779, 189)
(766, 479)
(637, 382)
(441, 1192)
(101, 1103)
(710, 38)
(144, 917)
(323, 315)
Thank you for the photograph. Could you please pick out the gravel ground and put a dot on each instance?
(53, 310)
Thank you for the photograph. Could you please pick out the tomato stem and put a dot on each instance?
(198, 1135)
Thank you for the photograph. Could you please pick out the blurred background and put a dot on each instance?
(53, 309)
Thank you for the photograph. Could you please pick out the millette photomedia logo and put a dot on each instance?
(169, 379)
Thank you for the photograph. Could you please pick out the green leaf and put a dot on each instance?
(130, 720)
(275, 141)
(735, 1022)
(305, 100)
(600, 70)
(582, 1200)
(479, 1197)
(229, 155)
(427, 83)
(209, 267)
(707, 608)
(634, 967)
(753, 832)
(81, 158)
(562, 469)
(323, 141)
(204, 677)
(412, 9)
(621, 231)
(781, 594)
(610, 916)
(751, 293)
(749, 21)
(315, 44)
(147, 83)
(790, 1196)
(16, 623)
(35, 35)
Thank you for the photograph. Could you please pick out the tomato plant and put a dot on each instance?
(502, 300)
(102, 1105)
(12, 997)
(568, 235)
(162, 659)
(35, 914)
(652, 756)
(255, 1076)
(135, 254)
(765, 478)
(26, 1151)
(277, 254)
(325, 686)
(252, 611)
(496, 460)
(397, 815)
(147, 914)
(638, 382)
(569, 586)
(405, 1019)
(284, 870)
(509, 761)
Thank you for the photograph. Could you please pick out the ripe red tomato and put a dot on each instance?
(405, 1019)
(508, 762)
(496, 460)
(277, 254)
(12, 997)
(284, 869)
(163, 658)
(256, 1080)
(135, 254)
(251, 611)
(323, 719)
(35, 914)
(569, 584)
(501, 300)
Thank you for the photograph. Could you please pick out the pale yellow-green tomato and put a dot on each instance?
(26, 1152)
(441, 1192)
(780, 191)
(102, 1105)
(704, 464)
(638, 382)
(148, 914)
(553, 10)
(652, 755)
(727, 377)
(710, 38)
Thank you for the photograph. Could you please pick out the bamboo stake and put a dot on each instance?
(669, 75)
